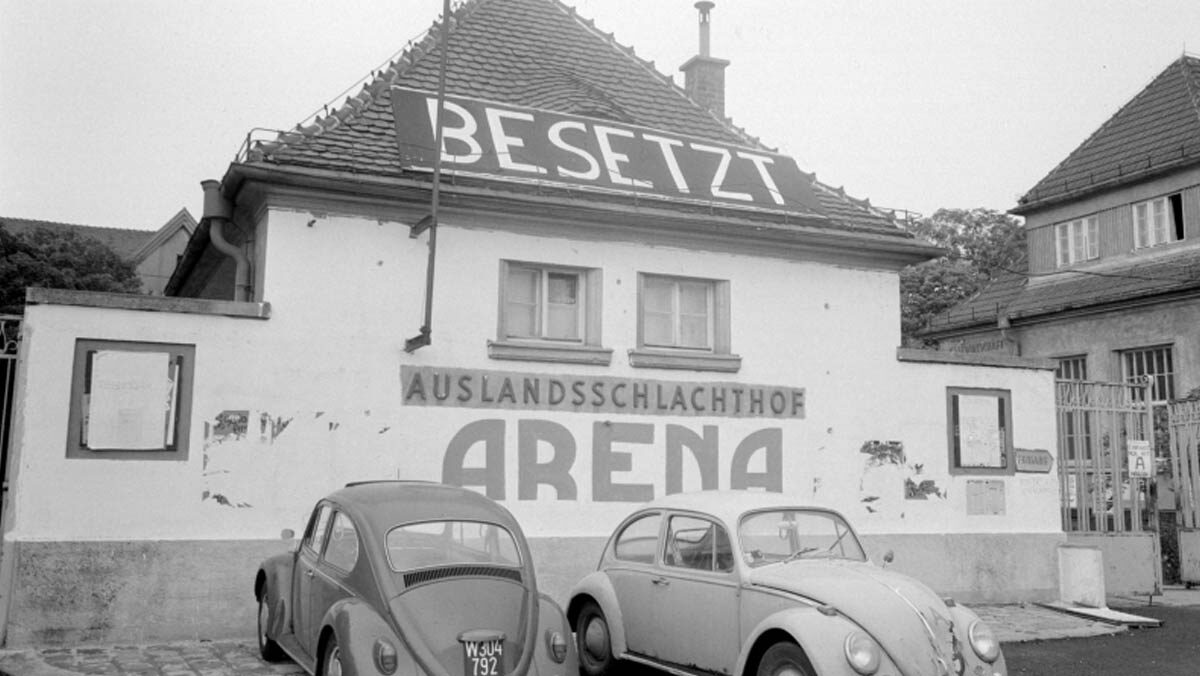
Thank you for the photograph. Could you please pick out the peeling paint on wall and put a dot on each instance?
(230, 425)
(883, 452)
(275, 426)
(921, 491)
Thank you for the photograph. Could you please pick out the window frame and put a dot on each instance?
(184, 354)
(588, 349)
(1007, 465)
(1171, 225)
(1127, 358)
(655, 548)
(1077, 241)
(718, 356)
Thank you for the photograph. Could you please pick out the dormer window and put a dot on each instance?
(1077, 241)
(1158, 221)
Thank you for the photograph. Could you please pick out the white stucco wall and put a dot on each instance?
(320, 383)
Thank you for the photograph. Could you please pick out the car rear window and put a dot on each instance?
(442, 543)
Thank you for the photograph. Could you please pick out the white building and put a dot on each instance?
(615, 313)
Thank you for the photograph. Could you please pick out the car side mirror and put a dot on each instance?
(888, 557)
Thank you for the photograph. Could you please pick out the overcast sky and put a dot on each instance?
(113, 111)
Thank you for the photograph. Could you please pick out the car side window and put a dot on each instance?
(698, 544)
(342, 551)
(314, 538)
(638, 540)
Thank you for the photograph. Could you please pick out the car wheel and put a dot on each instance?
(331, 658)
(593, 640)
(267, 647)
(784, 659)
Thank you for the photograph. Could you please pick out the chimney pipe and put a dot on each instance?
(704, 6)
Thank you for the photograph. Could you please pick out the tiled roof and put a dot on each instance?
(125, 242)
(1020, 296)
(1157, 131)
(532, 53)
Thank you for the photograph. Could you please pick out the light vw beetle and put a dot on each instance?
(403, 577)
(756, 584)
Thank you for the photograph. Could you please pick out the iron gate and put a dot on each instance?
(1095, 422)
(1185, 459)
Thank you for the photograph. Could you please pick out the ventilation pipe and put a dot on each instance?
(218, 211)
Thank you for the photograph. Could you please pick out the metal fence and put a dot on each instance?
(1095, 423)
(1185, 459)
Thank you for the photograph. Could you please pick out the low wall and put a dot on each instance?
(1132, 563)
(71, 593)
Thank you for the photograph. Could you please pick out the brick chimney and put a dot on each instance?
(704, 76)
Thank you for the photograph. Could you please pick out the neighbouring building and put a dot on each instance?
(154, 253)
(618, 295)
(1112, 288)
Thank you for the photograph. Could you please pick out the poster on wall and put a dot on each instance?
(1141, 460)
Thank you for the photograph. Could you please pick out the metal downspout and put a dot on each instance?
(217, 212)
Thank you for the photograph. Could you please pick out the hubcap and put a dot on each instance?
(595, 639)
(787, 670)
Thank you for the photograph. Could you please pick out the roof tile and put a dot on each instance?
(533, 53)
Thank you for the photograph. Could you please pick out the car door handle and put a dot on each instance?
(661, 582)
(309, 572)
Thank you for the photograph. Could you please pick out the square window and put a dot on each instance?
(1077, 241)
(683, 323)
(130, 400)
(1158, 221)
(979, 430)
(549, 313)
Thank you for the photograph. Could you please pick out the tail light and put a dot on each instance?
(556, 645)
(385, 657)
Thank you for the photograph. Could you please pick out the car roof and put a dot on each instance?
(385, 504)
(729, 505)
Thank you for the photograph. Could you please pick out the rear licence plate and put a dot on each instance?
(483, 655)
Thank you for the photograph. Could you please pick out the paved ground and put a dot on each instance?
(1012, 623)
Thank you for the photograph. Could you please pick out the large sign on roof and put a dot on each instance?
(532, 145)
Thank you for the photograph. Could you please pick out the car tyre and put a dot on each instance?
(331, 658)
(594, 641)
(267, 647)
(784, 659)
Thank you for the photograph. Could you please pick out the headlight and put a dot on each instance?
(556, 645)
(385, 657)
(862, 653)
(983, 642)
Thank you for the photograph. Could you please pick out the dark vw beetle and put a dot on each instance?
(410, 578)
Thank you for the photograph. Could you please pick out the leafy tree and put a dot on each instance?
(59, 260)
(980, 244)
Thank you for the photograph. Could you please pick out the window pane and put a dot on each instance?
(1160, 220)
(638, 540)
(1093, 238)
(1141, 226)
(693, 298)
(658, 329)
(562, 321)
(562, 308)
(521, 306)
(1078, 242)
(658, 295)
(342, 551)
(1064, 244)
(693, 331)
